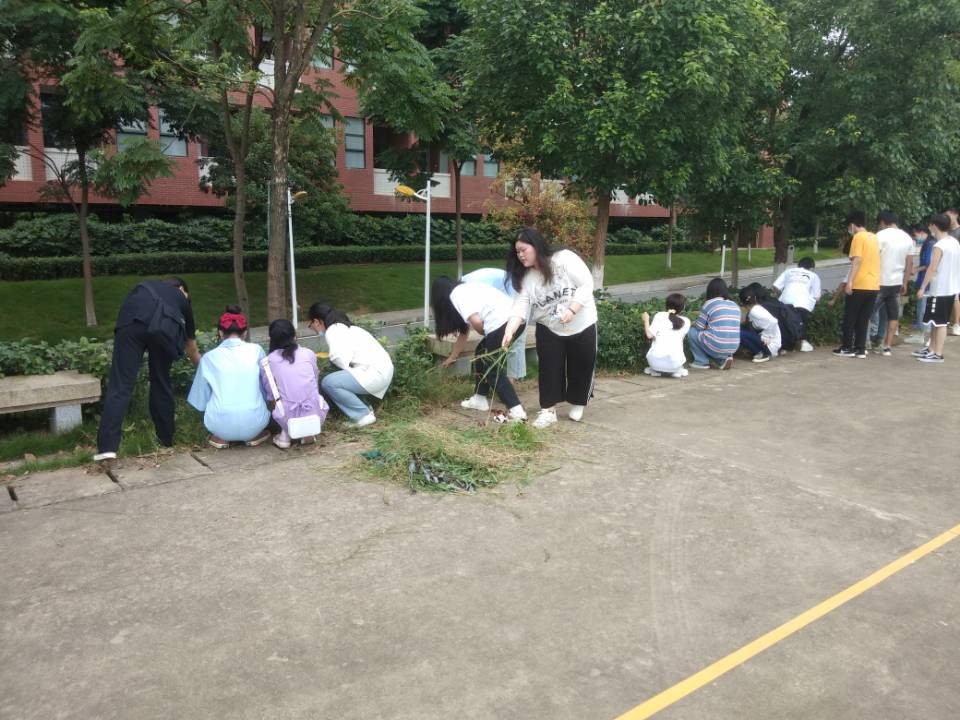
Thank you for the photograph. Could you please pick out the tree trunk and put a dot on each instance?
(600, 238)
(781, 235)
(239, 218)
(276, 255)
(457, 218)
(735, 259)
(88, 306)
(670, 233)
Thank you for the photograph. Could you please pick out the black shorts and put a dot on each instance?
(938, 310)
(889, 298)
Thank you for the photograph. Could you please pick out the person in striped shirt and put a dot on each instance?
(716, 333)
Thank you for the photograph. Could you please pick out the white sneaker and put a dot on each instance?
(805, 346)
(368, 419)
(576, 412)
(681, 373)
(476, 402)
(955, 329)
(101, 457)
(282, 440)
(652, 373)
(545, 418)
(517, 414)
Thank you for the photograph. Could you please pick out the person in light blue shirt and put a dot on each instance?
(517, 355)
(226, 388)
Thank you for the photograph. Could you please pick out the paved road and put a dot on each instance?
(678, 522)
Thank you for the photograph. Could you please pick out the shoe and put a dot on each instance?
(545, 418)
(760, 358)
(218, 443)
(282, 440)
(516, 414)
(925, 350)
(955, 329)
(104, 457)
(886, 352)
(727, 364)
(931, 358)
(576, 412)
(860, 354)
(259, 439)
(651, 373)
(308, 440)
(476, 402)
(368, 419)
(805, 346)
(681, 373)
(844, 352)
(698, 366)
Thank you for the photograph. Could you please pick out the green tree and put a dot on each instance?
(867, 114)
(103, 82)
(619, 94)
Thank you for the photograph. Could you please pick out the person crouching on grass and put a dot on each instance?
(459, 306)
(666, 333)
(940, 286)
(226, 388)
(761, 333)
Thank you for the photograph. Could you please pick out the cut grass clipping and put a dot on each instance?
(425, 455)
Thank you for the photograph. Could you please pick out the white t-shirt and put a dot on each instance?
(666, 349)
(359, 353)
(490, 304)
(799, 287)
(946, 281)
(768, 327)
(572, 281)
(895, 246)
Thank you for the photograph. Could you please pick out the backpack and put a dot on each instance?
(166, 325)
(789, 320)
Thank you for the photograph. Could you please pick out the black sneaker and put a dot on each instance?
(843, 352)
(861, 354)
(886, 352)
(931, 358)
(921, 352)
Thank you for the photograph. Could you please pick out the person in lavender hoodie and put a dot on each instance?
(295, 371)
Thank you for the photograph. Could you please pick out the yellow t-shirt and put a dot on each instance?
(864, 245)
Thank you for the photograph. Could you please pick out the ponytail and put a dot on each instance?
(675, 305)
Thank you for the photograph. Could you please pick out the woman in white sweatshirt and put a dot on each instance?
(556, 287)
(365, 365)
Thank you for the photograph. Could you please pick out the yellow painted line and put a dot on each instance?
(710, 673)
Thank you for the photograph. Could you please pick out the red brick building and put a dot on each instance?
(368, 188)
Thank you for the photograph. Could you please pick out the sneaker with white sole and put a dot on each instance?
(931, 358)
(955, 329)
(860, 354)
(652, 373)
(681, 373)
(845, 352)
(886, 352)
(517, 414)
(805, 346)
(727, 364)
(760, 358)
(576, 412)
(698, 366)
(925, 350)
(368, 419)
(282, 440)
(545, 418)
(104, 457)
(476, 402)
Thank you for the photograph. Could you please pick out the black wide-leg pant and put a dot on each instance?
(567, 364)
(856, 319)
(129, 344)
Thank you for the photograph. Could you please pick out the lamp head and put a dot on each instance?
(405, 190)
(299, 195)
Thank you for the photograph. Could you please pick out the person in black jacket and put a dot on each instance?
(156, 317)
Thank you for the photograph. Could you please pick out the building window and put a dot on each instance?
(491, 166)
(130, 132)
(171, 142)
(354, 143)
(52, 113)
(443, 162)
(469, 167)
(327, 121)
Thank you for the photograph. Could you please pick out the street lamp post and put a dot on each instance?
(409, 192)
(291, 199)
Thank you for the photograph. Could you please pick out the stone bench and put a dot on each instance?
(62, 392)
(442, 348)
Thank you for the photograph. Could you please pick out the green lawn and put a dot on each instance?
(53, 309)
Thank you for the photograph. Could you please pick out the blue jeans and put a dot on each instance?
(921, 308)
(750, 339)
(342, 389)
(701, 356)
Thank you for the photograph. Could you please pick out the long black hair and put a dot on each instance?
(446, 319)
(283, 337)
(676, 303)
(543, 251)
(717, 288)
(328, 315)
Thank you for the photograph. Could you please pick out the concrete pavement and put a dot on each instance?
(681, 520)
